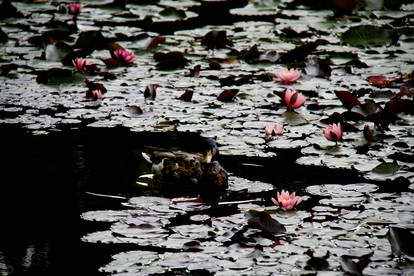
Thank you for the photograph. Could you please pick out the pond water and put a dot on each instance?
(71, 199)
(71, 203)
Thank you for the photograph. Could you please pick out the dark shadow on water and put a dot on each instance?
(44, 180)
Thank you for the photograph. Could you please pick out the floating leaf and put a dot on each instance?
(57, 51)
(386, 168)
(134, 110)
(347, 99)
(382, 80)
(397, 105)
(263, 221)
(381, 119)
(366, 109)
(227, 95)
(404, 157)
(351, 267)
(91, 40)
(216, 39)
(251, 54)
(366, 35)
(95, 86)
(187, 95)
(299, 53)
(317, 263)
(291, 33)
(236, 80)
(53, 75)
(401, 240)
(155, 41)
(170, 60)
(172, 12)
(6, 68)
(110, 62)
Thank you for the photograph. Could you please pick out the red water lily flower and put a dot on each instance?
(288, 76)
(80, 64)
(293, 99)
(333, 132)
(272, 130)
(124, 56)
(74, 8)
(287, 201)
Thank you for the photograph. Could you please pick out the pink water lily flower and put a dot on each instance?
(287, 201)
(74, 8)
(288, 76)
(96, 94)
(333, 132)
(293, 99)
(80, 64)
(124, 56)
(272, 130)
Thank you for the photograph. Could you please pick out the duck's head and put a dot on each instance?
(211, 150)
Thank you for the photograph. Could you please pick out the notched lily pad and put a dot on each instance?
(227, 95)
(263, 221)
(401, 239)
(386, 168)
(351, 267)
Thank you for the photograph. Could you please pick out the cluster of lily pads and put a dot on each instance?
(229, 93)
(293, 100)
(334, 236)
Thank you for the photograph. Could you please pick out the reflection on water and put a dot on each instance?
(44, 180)
(43, 186)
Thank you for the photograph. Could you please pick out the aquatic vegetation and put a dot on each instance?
(288, 76)
(333, 132)
(74, 8)
(293, 99)
(213, 61)
(286, 201)
(80, 64)
(272, 130)
(124, 56)
(96, 94)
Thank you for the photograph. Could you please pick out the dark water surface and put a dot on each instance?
(47, 181)
(44, 179)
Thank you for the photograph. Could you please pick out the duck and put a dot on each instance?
(189, 173)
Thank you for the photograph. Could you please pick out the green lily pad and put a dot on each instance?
(173, 13)
(386, 168)
(366, 35)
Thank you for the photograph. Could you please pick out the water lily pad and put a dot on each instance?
(265, 222)
(341, 190)
(365, 35)
(386, 168)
